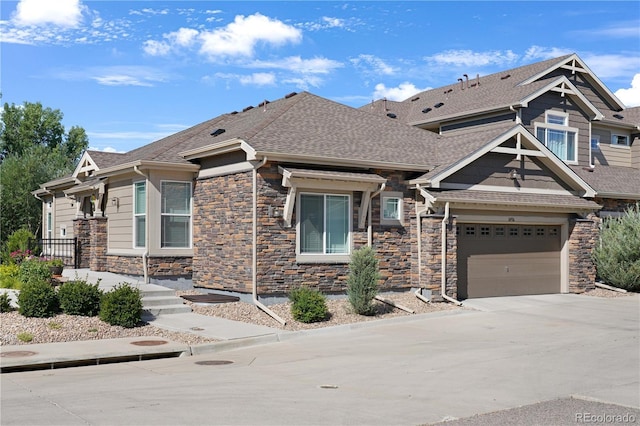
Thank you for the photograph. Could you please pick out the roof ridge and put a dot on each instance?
(277, 114)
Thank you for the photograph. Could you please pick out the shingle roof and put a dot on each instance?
(610, 180)
(105, 159)
(514, 198)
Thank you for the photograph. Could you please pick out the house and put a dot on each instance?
(491, 186)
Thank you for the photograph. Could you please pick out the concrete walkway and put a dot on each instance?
(229, 334)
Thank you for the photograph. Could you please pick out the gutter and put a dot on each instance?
(418, 292)
(443, 289)
(145, 255)
(254, 263)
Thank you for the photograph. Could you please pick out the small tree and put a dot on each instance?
(617, 257)
(362, 284)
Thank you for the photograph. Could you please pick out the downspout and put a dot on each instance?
(369, 229)
(418, 292)
(443, 267)
(254, 273)
(145, 255)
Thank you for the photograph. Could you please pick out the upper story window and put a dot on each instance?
(324, 225)
(175, 227)
(621, 140)
(139, 214)
(556, 134)
(391, 211)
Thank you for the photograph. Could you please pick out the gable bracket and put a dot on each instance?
(287, 213)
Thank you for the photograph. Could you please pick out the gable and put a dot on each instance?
(86, 166)
(535, 168)
(576, 67)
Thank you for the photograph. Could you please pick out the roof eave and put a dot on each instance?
(343, 162)
(146, 165)
(466, 114)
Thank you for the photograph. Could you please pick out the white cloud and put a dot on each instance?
(156, 48)
(258, 79)
(613, 66)
(304, 82)
(403, 91)
(325, 23)
(375, 64)
(469, 58)
(298, 65)
(630, 97)
(240, 37)
(65, 13)
(175, 41)
(537, 53)
(115, 75)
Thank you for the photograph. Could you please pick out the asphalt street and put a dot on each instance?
(561, 359)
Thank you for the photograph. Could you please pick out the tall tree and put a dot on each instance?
(34, 148)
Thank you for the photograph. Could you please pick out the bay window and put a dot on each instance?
(175, 225)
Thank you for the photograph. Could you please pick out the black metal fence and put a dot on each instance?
(65, 249)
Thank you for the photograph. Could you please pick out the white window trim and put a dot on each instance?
(558, 127)
(387, 195)
(615, 136)
(190, 215)
(324, 257)
(134, 215)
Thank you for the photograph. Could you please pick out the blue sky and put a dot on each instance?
(132, 72)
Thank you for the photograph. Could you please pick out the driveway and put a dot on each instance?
(579, 349)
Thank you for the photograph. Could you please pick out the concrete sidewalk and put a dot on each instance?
(229, 334)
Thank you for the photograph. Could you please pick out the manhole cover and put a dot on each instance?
(17, 354)
(149, 342)
(214, 362)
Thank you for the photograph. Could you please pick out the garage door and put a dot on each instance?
(508, 260)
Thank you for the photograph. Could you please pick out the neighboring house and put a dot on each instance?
(491, 186)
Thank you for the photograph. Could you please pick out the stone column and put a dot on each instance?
(82, 233)
(98, 244)
(583, 237)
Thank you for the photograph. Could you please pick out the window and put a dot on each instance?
(139, 214)
(175, 215)
(595, 143)
(391, 211)
(619, 140)
(49, 221)
(324, 225)
(557, 136)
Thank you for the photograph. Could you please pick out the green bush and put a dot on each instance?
(617, 257)
(121, 306)
(9, 276)
(17, 246)
(362, 284)
(34, 270)
(308, 305)
(38, 299)
(80, 298)
(5, 303)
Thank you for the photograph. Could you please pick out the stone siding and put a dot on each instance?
(98, 244)
(165, 266)
(431, 267)
(223, 238)
(82, 232)
(615, 205)
(583, 237)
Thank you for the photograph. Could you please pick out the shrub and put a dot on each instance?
(17, 246)
(25, 337)
(362, 284)
(34, 270)
(80, 298)
(121, 306)
(5, 303)
(308, 305)
(617, 257)
(38, 299)
(9, 276)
